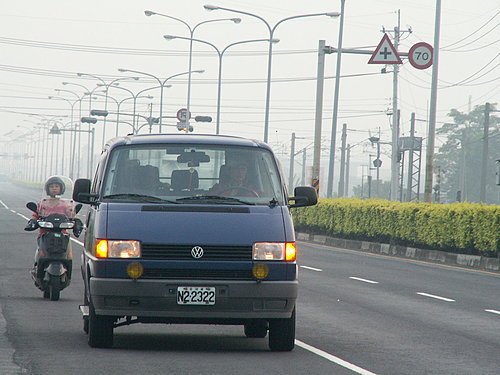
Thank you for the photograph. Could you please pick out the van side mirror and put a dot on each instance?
(304, 196)
(81, 191)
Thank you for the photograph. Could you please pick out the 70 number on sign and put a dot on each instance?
(420, 55)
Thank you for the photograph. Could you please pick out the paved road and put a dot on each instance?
(357, 314)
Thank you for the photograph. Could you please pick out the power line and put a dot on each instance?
(468, 36)
(136, 51)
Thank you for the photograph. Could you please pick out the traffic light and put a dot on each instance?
(181, 126)
(203, 119)
(99, 112)
(88, 120)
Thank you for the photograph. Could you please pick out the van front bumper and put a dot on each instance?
(158, 299)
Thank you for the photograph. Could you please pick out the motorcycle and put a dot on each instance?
(53, 268)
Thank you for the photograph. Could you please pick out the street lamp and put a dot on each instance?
(73, 140)
(270, 53)
(106, 85)
(162, 84)
(220, 53)
(150, 13)
(133, 96)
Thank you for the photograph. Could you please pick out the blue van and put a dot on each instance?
(190, 229)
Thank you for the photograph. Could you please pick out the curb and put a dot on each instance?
(433, 256)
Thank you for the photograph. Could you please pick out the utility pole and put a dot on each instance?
(395, 122)
(318, 117)
(395, 167)
(484, 163)
(410, 158)
(462, 197)
(347, 166)
(304, 160)
(342, 161)
(292, 162)
(432, 110)
(377, 188)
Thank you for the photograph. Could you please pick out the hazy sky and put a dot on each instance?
(43, 43)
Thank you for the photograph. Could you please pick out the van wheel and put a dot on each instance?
(256, 329)
(100, 330)
(282, 334)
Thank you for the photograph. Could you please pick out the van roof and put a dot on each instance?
(185, 138)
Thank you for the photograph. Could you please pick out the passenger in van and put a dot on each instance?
(234, 182)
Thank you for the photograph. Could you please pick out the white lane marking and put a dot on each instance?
(3, 204)
(493, 311)
(24, 217)
(436, 297)
(364, 280)
(312, 268)
(333, 359)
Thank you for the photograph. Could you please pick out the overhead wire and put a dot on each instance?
(477, 30)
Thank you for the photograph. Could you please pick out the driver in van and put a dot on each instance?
(236, 184)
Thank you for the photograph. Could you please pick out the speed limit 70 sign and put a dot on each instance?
(420, 55)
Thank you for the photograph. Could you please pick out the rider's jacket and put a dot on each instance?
(49, 206)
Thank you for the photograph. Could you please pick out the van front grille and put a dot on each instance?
(197, 274)
(183, 252)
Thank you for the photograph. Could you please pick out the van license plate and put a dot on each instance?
(195, 295)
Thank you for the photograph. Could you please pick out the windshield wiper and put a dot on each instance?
(139, 197)
(215, 199)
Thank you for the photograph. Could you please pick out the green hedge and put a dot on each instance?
(459, 227)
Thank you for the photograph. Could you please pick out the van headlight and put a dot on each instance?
(118, 249)
(274, 251)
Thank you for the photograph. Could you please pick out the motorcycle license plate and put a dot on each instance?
(195, 295)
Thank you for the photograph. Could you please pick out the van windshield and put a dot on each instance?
(201, 174)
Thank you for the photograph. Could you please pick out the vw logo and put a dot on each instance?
(197, 252)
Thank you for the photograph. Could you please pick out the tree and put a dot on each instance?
(460, 157)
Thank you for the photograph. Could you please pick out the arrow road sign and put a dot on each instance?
(420, 55)
(385, 53)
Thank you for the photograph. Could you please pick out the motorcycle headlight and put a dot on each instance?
(45, 224)
(67, 225)
(274, 251)
(118, 249)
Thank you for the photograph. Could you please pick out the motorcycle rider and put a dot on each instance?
(53, 203)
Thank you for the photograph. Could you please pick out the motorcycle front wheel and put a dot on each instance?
(55, 288)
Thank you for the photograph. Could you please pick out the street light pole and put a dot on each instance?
(270, 52)
(107, 86)
(162, 85)
(220, 54)
(333, 140)
(149, 13)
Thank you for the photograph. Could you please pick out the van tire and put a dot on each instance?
(256, 329)
(282, 334)
(100, 330)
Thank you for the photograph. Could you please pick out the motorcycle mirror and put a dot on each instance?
(32, 206)
(78, 207)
